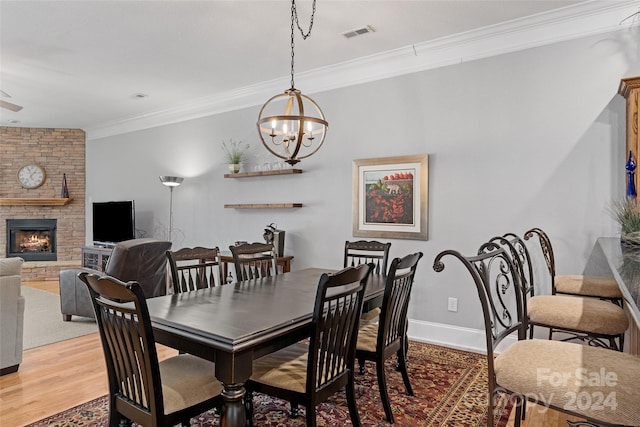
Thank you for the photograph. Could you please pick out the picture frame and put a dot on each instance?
(390, 197)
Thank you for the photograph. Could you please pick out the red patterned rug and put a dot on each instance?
(449, 385)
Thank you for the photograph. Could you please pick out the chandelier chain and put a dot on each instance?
(294, 18)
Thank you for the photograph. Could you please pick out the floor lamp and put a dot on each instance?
(170, 181)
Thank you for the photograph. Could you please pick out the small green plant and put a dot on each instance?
(627, 213)
(235, 151)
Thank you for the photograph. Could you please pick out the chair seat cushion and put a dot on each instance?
(577, 314)
(286, 368)
(593, 286)
(187, 380)
(597, 383)
(367, 337)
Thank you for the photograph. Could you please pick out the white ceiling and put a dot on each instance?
(79, 64)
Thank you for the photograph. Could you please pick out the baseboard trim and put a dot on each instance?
(453, 336)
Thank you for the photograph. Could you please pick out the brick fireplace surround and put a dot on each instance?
(58, 151)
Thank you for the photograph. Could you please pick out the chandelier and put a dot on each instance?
(291, 125)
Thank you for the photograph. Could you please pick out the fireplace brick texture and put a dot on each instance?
(58, 151)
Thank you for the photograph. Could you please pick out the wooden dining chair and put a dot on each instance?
(254, 260)
(593, 321)
(605, 288)
(309, 372)
(594, 383)
(381, 340)
(142, 389)
(365, 252)
(194, 268)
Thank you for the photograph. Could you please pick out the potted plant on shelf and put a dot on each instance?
(235, 153)
(627, 213)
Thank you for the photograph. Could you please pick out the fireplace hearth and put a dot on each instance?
(32, 239)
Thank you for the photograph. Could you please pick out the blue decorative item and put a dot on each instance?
(631, 186)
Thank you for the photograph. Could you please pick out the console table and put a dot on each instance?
(95, 257)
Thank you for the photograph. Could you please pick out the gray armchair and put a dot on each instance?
(11, 315)
(142, 260)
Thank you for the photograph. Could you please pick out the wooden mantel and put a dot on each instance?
(630, 89)
(33, 201)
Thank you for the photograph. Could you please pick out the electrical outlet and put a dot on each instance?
(452, 304)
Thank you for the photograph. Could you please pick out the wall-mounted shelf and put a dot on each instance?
(264, 205)
(263, 173)
(32, 201)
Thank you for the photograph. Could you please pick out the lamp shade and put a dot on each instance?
(171, 181)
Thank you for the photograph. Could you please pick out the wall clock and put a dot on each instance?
(31, 176)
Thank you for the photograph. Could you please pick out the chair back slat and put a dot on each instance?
(254, 260)
(336, 315)
(128, 343)
(395, 302)
(367, 252)
(194, 268)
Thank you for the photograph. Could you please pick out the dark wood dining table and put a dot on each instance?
(234, 324)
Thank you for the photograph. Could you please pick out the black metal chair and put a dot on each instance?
(605, 288)
(308, 373)
(142, 389)
(379, 341)
(546, 372)
(194, 268)
(254, 260)
(590, 320)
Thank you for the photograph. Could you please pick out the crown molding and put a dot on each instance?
(572, 22)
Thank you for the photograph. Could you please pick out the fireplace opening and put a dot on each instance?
(32, 239)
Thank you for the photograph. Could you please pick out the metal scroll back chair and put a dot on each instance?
(254, 260)
(605, 288)
(194, 268)
(590, 320)
(381, 340)
(365, 252)
(530, 368)
(308, 373)
(141, 388)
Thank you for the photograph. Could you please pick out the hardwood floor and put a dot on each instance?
(58, 376)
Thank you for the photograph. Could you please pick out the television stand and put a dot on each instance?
(95, 257)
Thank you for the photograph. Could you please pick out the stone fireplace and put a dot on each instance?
(32, 239)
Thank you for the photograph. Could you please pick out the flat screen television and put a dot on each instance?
(113, 222)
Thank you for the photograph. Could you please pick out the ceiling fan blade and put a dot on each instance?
(10, 106)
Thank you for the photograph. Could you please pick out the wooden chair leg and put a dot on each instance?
(361, 363)
(351, 403)
(402, 367)
(311, 416)
(248, 407)
(384, 395)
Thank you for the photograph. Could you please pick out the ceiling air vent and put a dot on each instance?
(358, 31)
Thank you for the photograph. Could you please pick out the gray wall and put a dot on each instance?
(533, 138)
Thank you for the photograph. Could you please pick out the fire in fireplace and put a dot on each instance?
(32, 239)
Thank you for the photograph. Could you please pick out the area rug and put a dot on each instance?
(449, 386)
(43, 322)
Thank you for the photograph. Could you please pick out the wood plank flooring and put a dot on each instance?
(61, 375)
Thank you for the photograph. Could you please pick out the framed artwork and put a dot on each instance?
(390, 197)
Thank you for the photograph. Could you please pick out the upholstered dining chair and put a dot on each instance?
(194, 268)
(605, 288)
(142, 389)
(254, 260)
(590, 320)
(381, 340)
(554, 374)
(308, 373)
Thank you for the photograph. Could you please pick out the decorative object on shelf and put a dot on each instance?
(275, 237)
(64, 193)
(627, 213)
(31, 176)
(291, 125)
(631, 186)
(235, 153)
(390, 197)
(171, 182)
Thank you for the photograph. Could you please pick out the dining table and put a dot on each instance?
(234, 324)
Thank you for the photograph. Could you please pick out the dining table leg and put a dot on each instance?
(233, 412)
